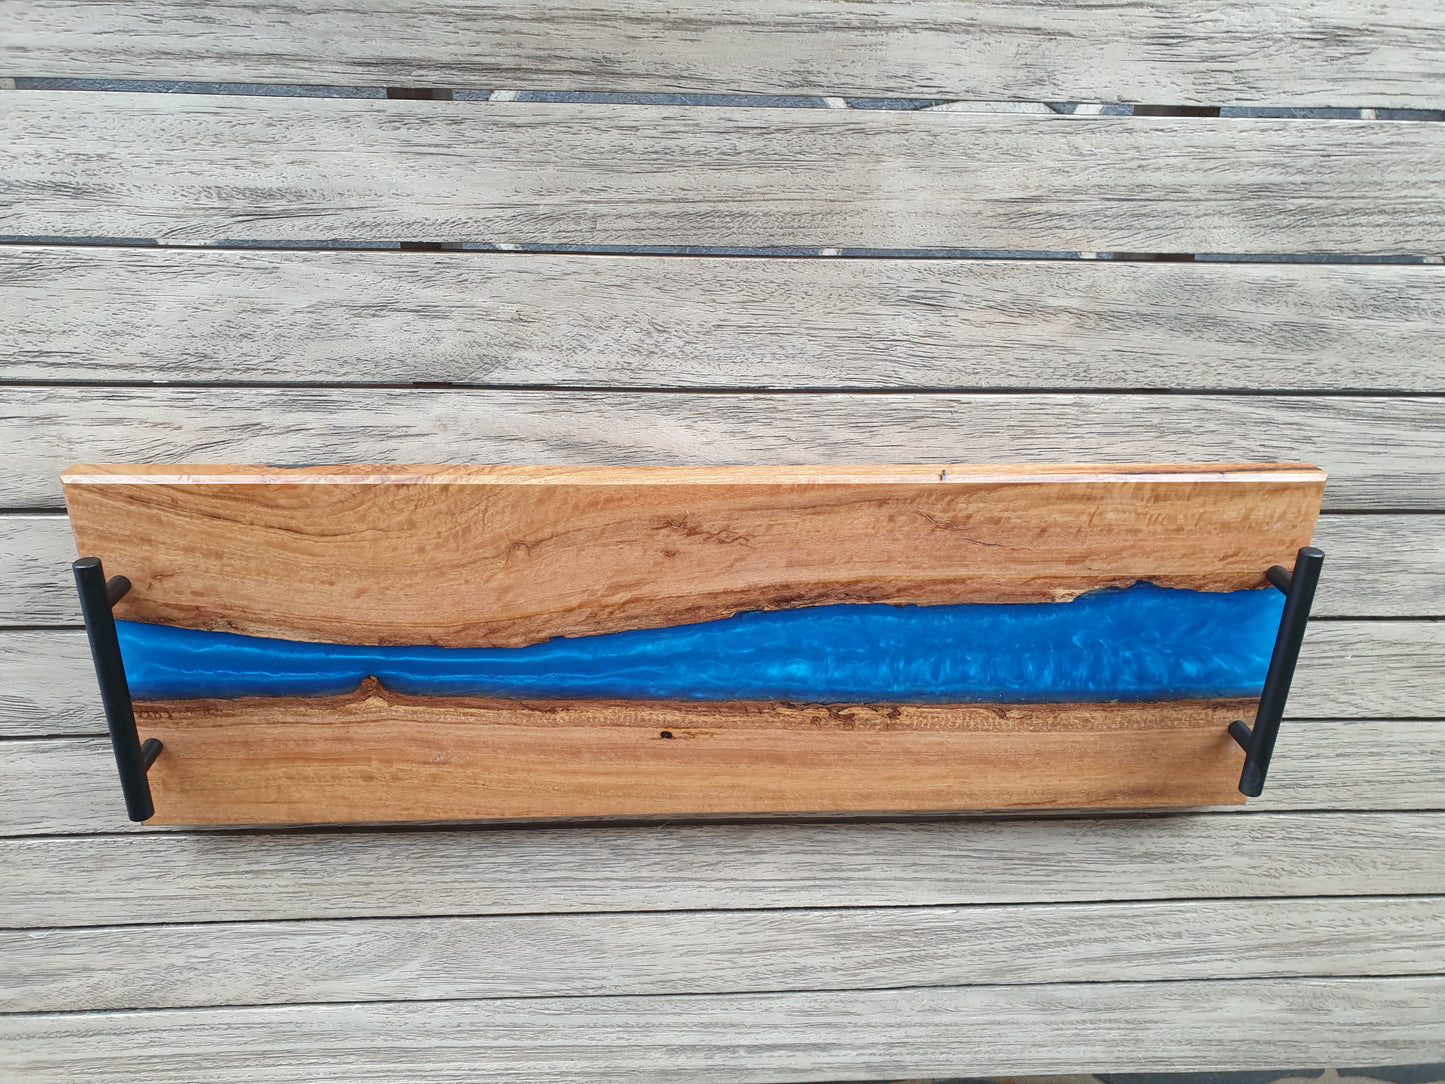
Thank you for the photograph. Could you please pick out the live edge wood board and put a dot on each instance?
(507, 556)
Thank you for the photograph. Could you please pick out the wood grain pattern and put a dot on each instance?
(1370, 669)
(55, 786)
(875, 1034)
(1381, 453)
(481, 556)
(627, 321)
(1326, 767)
(1379, 566)
(294, 875)
(380, 756)
(1349, 669)
(269, 963)
(194, 169)
(1362, 548)
(1303, 52)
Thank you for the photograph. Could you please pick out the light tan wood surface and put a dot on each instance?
(479, 556)
(380, 756)
(501, 318)
(54, 786)
(193, 169)
(1299, 52)
(1385, 566)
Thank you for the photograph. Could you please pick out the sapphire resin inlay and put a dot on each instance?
(1143, 643)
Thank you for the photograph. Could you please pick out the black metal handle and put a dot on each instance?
(132, 756)
(1299, 594)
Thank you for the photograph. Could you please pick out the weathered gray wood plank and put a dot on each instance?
(283, 875)
(428, 959)
(51, 786)
(1349, 669)
(1315, 52)
(1376, 764)
(626, 321)
(49, 685)
(189, 168)
(1379, 566)
(1369, 669)
(1381, 453)
(949, 1031)
(35, 554)
(1367, 555)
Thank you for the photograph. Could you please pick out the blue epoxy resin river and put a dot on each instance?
(1137, 644)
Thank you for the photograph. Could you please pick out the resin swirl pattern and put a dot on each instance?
(1140, 644)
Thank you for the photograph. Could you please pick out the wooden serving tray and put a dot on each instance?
(474, 557)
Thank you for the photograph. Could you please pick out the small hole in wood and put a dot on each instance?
(665, 734)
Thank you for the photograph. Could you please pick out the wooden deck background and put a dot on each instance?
(219, 277)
